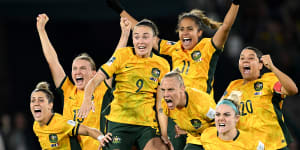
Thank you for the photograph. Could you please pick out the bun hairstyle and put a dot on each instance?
(87, 57)
(199, 18)
(175, 73)
(44, 87)
(232, 100)
(149, 23)
(235, 97)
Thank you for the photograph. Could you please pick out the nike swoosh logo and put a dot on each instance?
(128, 66)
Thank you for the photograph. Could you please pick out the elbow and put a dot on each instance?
(293, 91)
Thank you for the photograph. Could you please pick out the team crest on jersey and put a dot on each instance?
(171, 43)
(110, 61)
(196, 56)
(196, 123)
(258, 86)
(53, 138)
(155, 72)
(116, 140)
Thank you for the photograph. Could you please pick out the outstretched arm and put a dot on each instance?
(125, 28)
(288, 85)
(94, 133)
(222, 33)
(88, 92)
(163, 120)
(58, 73)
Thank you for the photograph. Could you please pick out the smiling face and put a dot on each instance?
(249, 65)
(225, 119)
(143, 39)
(40, 107)
(82, 73)
(189, 33)
(173, 92)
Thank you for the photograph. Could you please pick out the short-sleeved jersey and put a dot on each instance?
(196, 116)
(243, 141)
(136, 80)
(261, 113)
(73, 99)
(197, 65)
(58, 133)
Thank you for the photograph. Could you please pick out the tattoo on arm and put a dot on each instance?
(160, 110)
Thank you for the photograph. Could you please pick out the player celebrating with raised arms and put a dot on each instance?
(195, 56)
(191, 109)
(138, 72)
(83, 69)
(53, 130)
(262, 98)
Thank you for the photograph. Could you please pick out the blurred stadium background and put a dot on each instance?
(77, 26)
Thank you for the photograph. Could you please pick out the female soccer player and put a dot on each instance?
(195, 56)
(138, 71)
(262, 98)
(53, 130)
(225, 135)
(83, 69)
(191, 109)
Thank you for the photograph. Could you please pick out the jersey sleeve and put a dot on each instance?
(164, 107)
(114, 63)
(209, 109)
(165, 47)
(165, 69)
(71, 127)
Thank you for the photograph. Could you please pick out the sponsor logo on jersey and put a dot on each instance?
(116, 140)
(110, 61)
(53, 138)
(196, 56)
(196, 123)
(258, 86)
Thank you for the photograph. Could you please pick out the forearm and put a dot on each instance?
(289, 86)
(91, 86)
(123, 40)
(222, 33)
(162, 118)
(230, 17)
(48, 49)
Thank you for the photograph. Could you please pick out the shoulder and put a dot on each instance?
(209, 133)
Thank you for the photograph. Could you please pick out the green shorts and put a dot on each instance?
(178, 143)
(190, 146)
(124, 136)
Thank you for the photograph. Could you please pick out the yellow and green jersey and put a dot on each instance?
(73, 99)
(242, 141)
(197, 115)
(197, 65)
(261, 110)
(58, 133)
(136, 80)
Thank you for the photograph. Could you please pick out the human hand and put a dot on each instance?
(85, 109)
(41, 21)
(267, 61)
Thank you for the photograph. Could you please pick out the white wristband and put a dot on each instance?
(100, 137)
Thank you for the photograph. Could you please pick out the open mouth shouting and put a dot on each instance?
(79, 80)
(186, 42)
(37, 112)
(170, 104)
